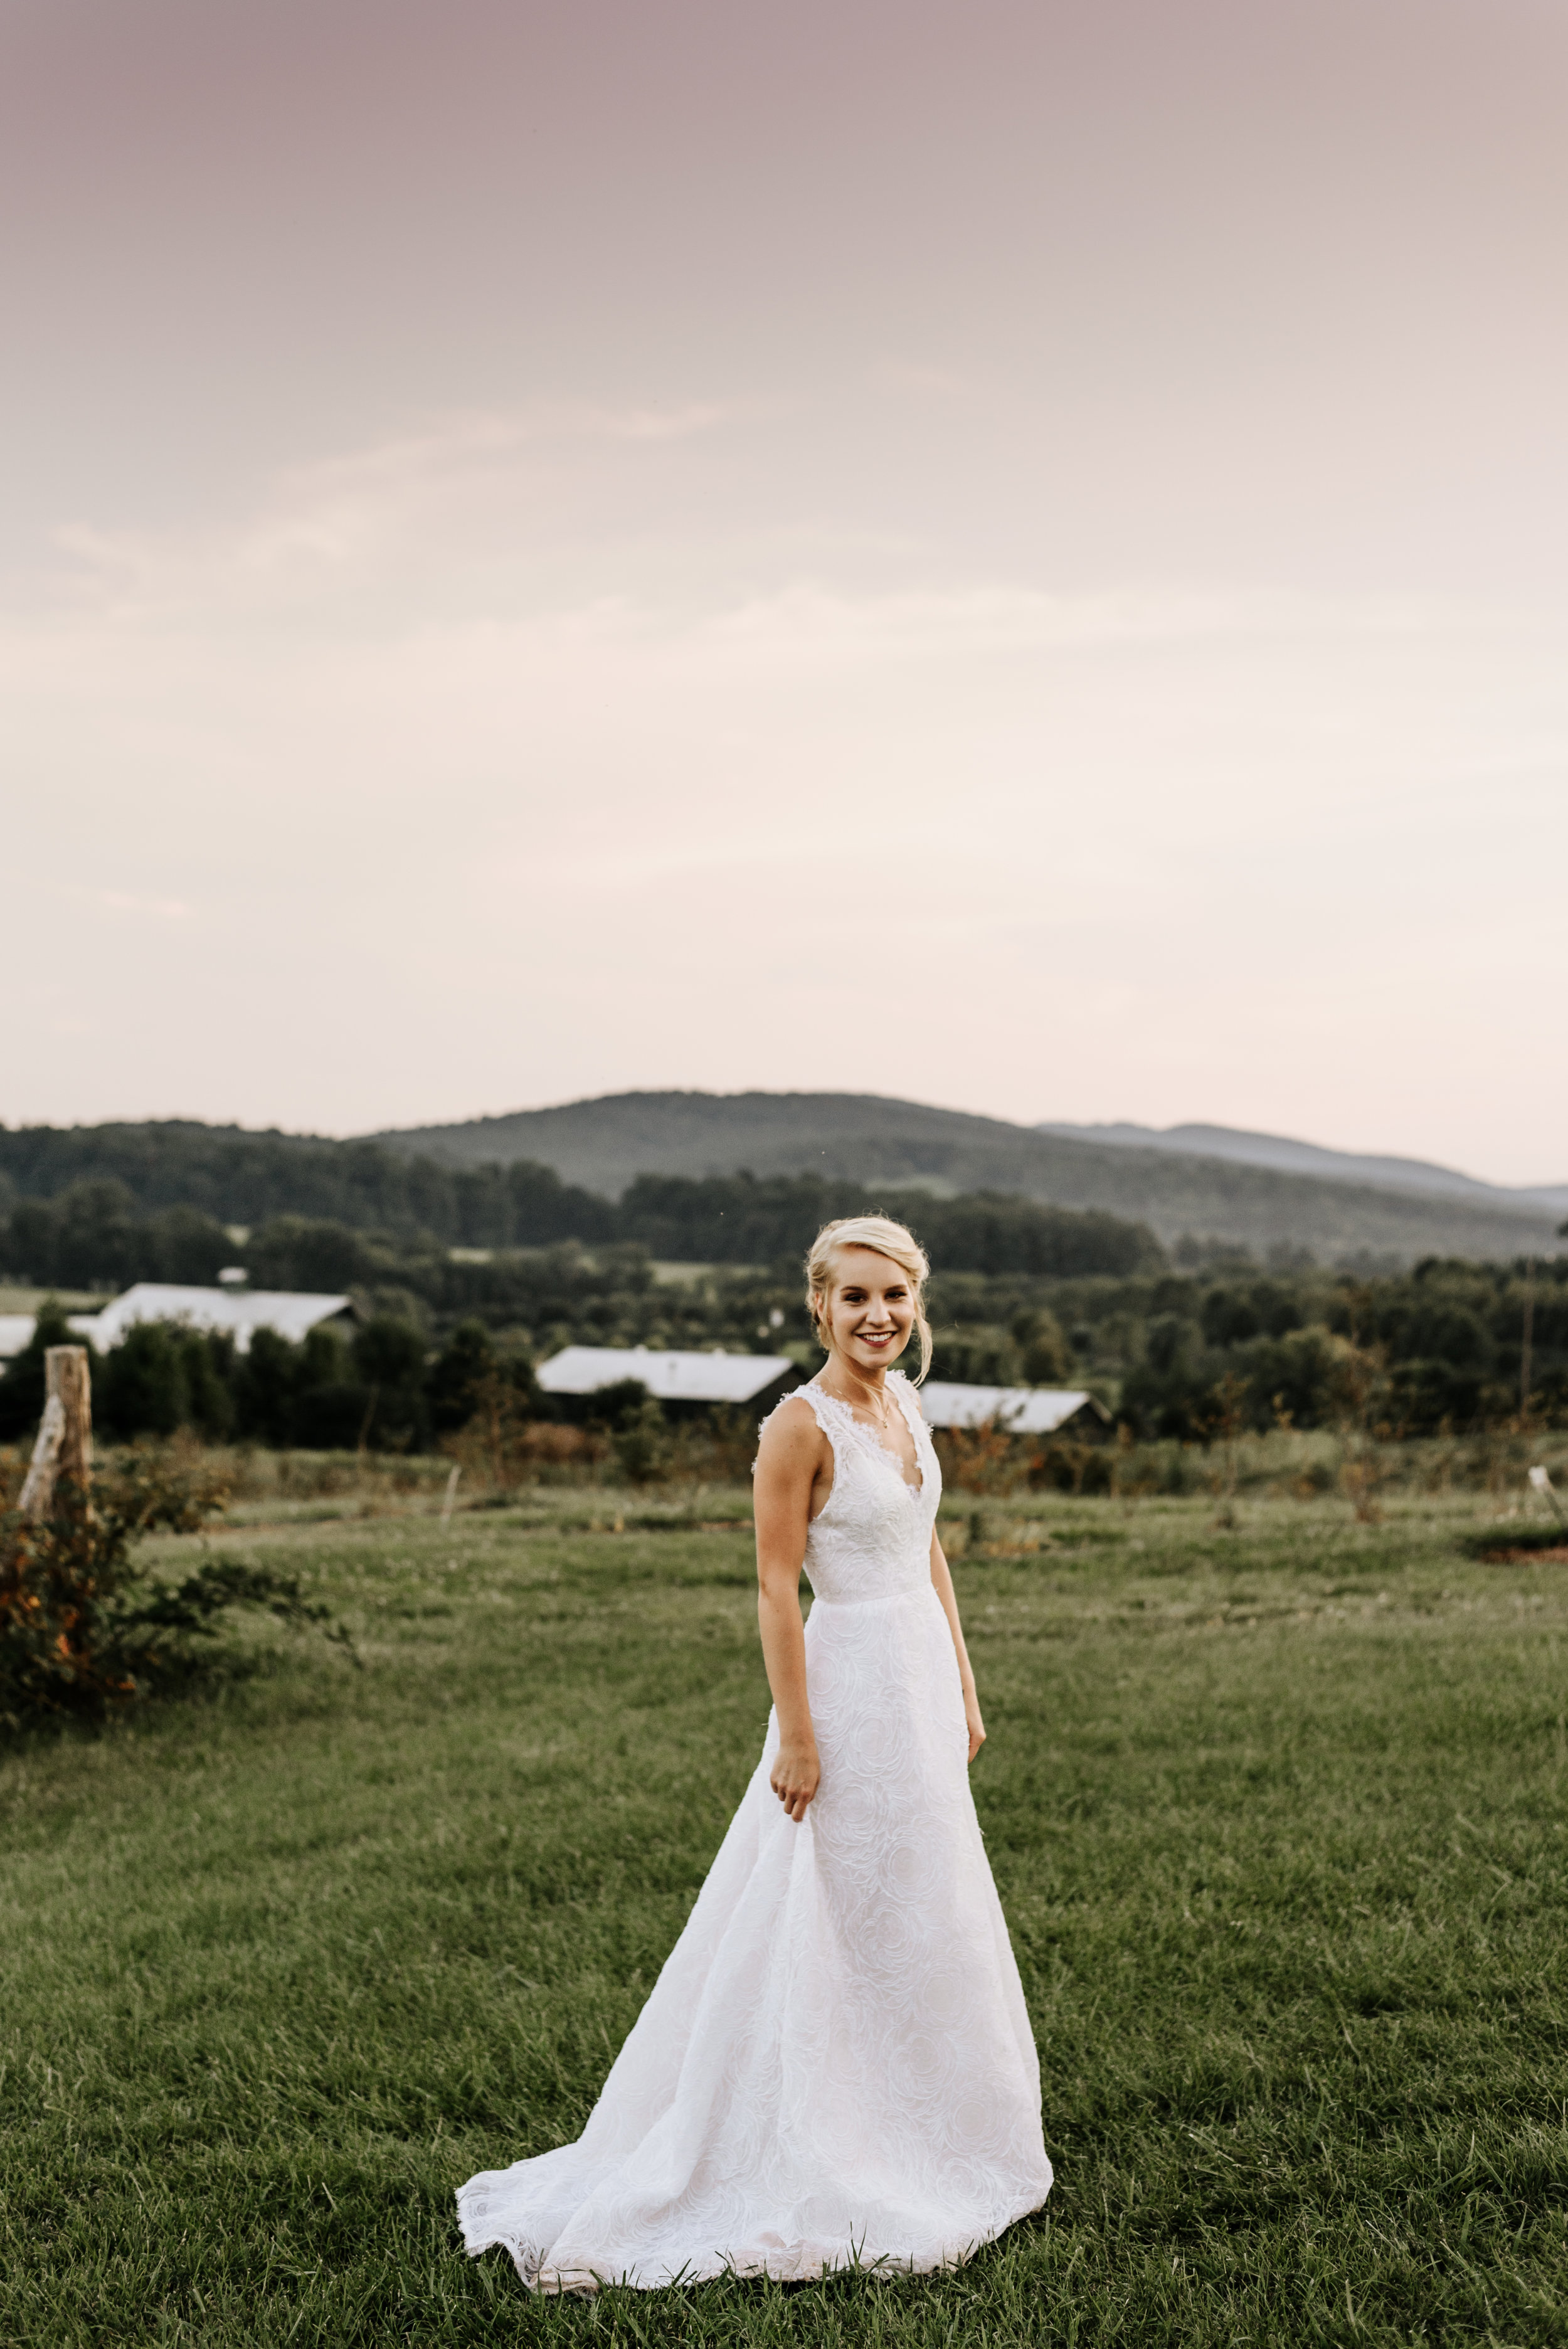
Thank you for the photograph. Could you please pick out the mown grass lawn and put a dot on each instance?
(1277, 1817)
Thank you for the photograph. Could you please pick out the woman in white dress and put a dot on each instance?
(835, 2066)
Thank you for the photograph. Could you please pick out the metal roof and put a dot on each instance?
(1022, 1411)
(673, 1376)
(15, 1333)
(238, 1311)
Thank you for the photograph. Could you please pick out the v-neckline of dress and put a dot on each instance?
(870, 1437)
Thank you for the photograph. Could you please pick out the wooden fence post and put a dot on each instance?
(65, 1441)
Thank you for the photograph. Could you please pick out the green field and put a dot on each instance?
(1278, 1815)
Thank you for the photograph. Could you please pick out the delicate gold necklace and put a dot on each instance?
(883, 1415)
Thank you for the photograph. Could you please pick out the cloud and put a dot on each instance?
(389, 532)
(463, 484)
(406, 821)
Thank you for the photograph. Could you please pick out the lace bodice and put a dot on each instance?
(873, 1537)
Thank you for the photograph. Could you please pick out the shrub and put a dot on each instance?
(458, 1383)
(721, 1444)
(142, 1385)
(501, 1445)
(83, 1629)
(1423, 1394)
(1063, 1463)
(389, 1356)
(986, 1458)
(1165, 1394)
(641, 1443)
(1298, 1377)
(468, 1357)
(335, 1416)
(266, 1380)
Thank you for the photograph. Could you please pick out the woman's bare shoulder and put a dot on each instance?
(789, 1430)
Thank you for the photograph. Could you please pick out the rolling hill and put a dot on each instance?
(603, 1144)
(1277, 1150)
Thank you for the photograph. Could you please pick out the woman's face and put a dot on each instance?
(869, 1308)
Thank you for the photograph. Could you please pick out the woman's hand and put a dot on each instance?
(975, 1726)
(795, 1778)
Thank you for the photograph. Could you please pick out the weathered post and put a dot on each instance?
(64, 1440)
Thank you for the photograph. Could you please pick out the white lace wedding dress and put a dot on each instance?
(835, 2064)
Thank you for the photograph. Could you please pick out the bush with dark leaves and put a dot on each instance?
(86, 1629)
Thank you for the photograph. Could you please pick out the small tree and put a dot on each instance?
(980, 1459)
(144, 1386)
(453, 1379)
(1363, 1384)
(1227, 1424)
(641, 1443)
(498, 1424)
(389, 1355)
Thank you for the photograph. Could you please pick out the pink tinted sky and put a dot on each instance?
(1011, 555)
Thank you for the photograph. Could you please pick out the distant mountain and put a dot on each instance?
(1212, 1195)
(1416, 1176)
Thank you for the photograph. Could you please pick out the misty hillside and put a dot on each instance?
(603, 1144)
(1291, 1157)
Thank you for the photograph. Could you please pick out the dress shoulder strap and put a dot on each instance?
(909, 1401)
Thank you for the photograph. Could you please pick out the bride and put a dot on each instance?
(835, 2066)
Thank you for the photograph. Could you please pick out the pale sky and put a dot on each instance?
(1015, 555)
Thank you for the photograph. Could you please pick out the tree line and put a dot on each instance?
(231, 1176)
(381, 1385)
(1451, 1344)
(1024, 1292)
(1173, 1355)
(95, 1233)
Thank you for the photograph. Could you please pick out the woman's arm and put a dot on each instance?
(787, 1465)
(942, 1582)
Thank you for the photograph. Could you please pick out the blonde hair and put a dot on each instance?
(887, 1239)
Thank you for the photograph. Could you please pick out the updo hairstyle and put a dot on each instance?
(888, 1238)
